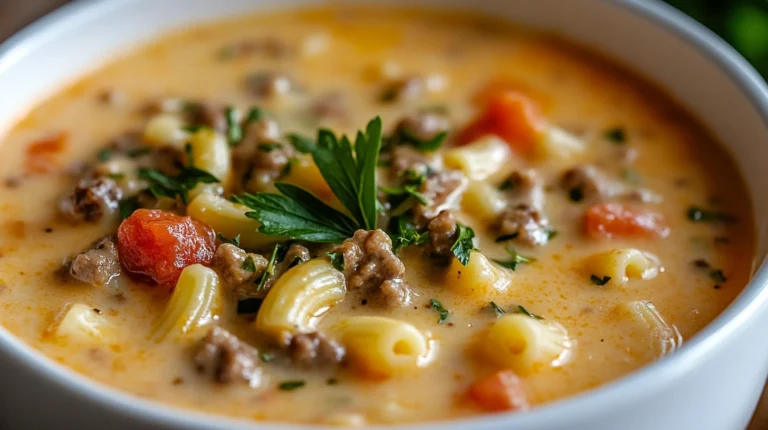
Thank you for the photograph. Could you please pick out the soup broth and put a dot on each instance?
(608, 225)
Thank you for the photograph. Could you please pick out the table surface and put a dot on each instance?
(14, 14)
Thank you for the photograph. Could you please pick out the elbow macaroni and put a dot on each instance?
(479, 278)
(191, 306)
(210, 152)
(228, 219)
(165, 129)
(624, 264)
(483, 201)
(298, 297)
(480, 159)
(526, 344)
(381, 347)
(558, 144)
(83, 324)
(644, 315)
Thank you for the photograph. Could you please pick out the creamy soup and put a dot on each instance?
(516, 221)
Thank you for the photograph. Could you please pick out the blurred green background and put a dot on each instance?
(742, 23)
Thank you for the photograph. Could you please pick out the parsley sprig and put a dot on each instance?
(406, 234)
(351, 175)
(464, 244)
(515, 260)
(161, 185)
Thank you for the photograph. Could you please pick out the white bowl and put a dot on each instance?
(713, 382)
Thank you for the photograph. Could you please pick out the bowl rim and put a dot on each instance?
(644, 382)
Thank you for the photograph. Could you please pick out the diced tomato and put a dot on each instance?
(510, 115)
(157, 245)
(502, 391)
(608, 220)
(41, 154)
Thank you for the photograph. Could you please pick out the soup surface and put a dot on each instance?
(533, 223)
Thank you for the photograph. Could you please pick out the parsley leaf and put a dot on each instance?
(105, 154)
(302, 144)
(128, 206)
(297, 214)
(267, 357)
(464, 244)
(189, 176)
(697, 214)
(434, 304)
(337, 260)
(430, 145)
(270, 270)
(234, 129)
(405, 191)
(616, 135)
(407, 235)
(505, 237)
(717, 275)
(235, 241)
(269, 147)
(496, 308)
(291, 385)
(516, 259)
(255, 114)
(599, 281)
(524, 311)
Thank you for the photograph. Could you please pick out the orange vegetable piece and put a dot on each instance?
(502, 391)
(608, 220)
(510, 115)
(157, 245)
(41, 154)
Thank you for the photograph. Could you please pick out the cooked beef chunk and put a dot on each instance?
(295, 255)
(588, 183)
(526, 188)
(330, 105)
(314, 350)
(98, 265)
(370, 264)
(92, 199)
(409, 88)
(269, 84)
(228, 359)
(442, 234)
(443, 190)
(406, 158)
(259, 159)
(527, 224)
(229, 262)
(209, 114)
(422, 126)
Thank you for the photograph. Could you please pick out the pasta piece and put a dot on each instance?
(83, 324)
(480, 159)
(192, 304)
(165, 129)
(228, 219)
(526, 344)
(483, 201)
(304, 173)
(299, 296)
(559, 144)
(380, 347)
(122, 170)
(621, 265)
(210, 152)
(644, 316)
(479, 278)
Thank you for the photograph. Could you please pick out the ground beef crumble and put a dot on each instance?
(228, 359)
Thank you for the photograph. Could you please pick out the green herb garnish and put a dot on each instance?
(599, 281)
(254, 114)
(434, 304)
(269, 147)
(516, 259)
(697, 214)
(291, 385)
(524, 311)
(717, 275)
(270, 270)
(337, 260)
(249, 265)
(105, 154)
(138, 152)
(402, 193)
(267, 357)
(464, 244)
(116, 176)
(506, 237)
(496, 308)
(302, 144)
(407, 235)
(616, 135)
(128, 206)
(429, 145)
(507, 185)
(175, 186)
(552, 233)
(195, 128)
(234, 129)
(235, 241)
(351, 175)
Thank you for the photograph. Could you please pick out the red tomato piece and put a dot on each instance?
(608, 220)
(157, 245)
(510, 115)
(502, 391)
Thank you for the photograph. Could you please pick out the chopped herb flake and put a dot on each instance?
(524, 311)
(267, 357)
(291, 385)
(616, 135)
(337, 260)
(302, 144)
(434, 304)
(717, 275)
(332, 381)
(269, 147)
(128, 206)
(599, 281)
(270, 270)
(464, 244)
(430, 145)
(249, 265)
(116, 176)
(496, 308)
(254, 114)
(235, 241)
(506, 237)
(697, 214)
(516, 259)
(507, 185)
(234, 129)
(161, 185)
(406, 235)
(105, 154)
